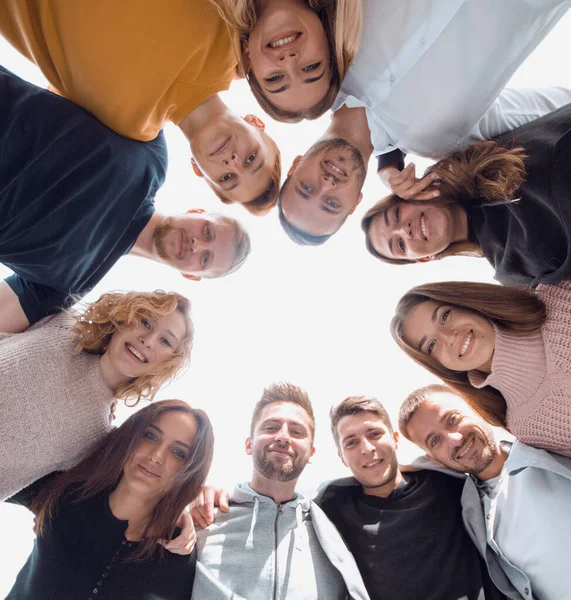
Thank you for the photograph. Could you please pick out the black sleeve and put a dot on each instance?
(26, 496)
(394, 158)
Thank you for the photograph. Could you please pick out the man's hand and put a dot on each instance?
(202, 509)
(405, 184)
(186, 540)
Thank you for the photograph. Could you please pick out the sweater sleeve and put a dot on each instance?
(557, 327)
(26, 496)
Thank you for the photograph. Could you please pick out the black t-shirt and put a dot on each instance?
(74, 195)
(411, 545)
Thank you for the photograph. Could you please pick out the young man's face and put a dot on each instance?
(450, 433)
(369, 449)
(235, 156)
(282, 443)
(324, 187)
(196, 243)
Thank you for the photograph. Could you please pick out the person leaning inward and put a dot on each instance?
(506, 200)
(505, 350)
(102, 524)
(62, 378)
(295, 53)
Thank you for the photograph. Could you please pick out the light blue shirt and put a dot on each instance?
(429, 72)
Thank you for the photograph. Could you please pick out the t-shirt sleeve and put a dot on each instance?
(37, 300)
(394, 158)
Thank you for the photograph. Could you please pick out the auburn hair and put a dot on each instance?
(97, 322)
(517, 310)
(484, 172)
(342, 21)
(102, 470)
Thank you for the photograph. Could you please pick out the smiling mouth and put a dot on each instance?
(465, 449)
(372, 463)
(466, 343)
(283, 40)
(221, 148)
(147, 472)
(135, 353)
(423, 227)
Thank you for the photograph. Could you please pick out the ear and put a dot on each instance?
(356, 203)
(396, 438)
(341, 457)
(255, 122)
(248, 446)
(195, 168)
(196, 211)
(190, 276)
(294, 164)
(428, 456)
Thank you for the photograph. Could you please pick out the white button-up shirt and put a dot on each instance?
(429, 72)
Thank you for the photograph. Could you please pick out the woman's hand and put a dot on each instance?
(405, 185)
(186, 540)
(202, 509)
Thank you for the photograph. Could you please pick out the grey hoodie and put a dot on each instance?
(261, 550)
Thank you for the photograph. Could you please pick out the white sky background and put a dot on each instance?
(316, 317)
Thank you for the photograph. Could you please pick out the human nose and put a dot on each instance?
(231, 159)
(195, 245)
(405, 228)
(156, 454)
(283, 436)
(288, 57)
(146, 338)
(366, 446)
(455, 437)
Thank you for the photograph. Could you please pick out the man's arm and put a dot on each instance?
(12, 316)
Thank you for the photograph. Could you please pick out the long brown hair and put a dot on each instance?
(517, 310)
(483, 172)
(97, 322)
(342, 21)
(103, 468)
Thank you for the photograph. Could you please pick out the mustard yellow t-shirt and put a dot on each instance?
(134, 64)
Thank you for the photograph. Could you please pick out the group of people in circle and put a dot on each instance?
(79, 169)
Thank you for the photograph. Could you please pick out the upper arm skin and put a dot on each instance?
(12, 317)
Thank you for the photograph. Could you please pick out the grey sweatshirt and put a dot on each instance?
(261, 550)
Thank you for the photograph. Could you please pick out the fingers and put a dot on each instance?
(405, 184)
(224, 501)
(202, 509)
(421, 189)
(184, 543)
(197, 511)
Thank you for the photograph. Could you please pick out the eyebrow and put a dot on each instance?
(171, 333)
(236, 182)
(151, 426)
(287, 86)
(386, 217)
(258, 166)
(423, 339)
(281, 421)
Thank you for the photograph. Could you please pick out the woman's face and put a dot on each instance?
(409, 231)
(288, 53)
(458, 338)
(141, 348)
(161, 453)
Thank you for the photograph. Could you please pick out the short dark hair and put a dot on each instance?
(354, 405)
(415, 400)
(283, 392)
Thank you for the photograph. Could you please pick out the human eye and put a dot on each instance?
(350, 443)
(151, 436)
(306, 188)
(205, 260)
(207, 233)
(250, 158)
(166, 342)
(397, 214)
(332, 203)
(226, 177)
(453, 419)
(274, 78)
(431, 345)
(445, 316)
(402, 245)
(179, 453)
(145, 323)
(312, 67)
(433, 442)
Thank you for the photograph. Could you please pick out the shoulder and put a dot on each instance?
(336, 488)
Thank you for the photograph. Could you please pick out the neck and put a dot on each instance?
(127, 506)
(210, 110)
(111, 376)
(496, 466)
(386, 489)
(459, 222)
(351, 124)
(278, 491)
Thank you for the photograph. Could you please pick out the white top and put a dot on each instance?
(528, 520)
(429, 71)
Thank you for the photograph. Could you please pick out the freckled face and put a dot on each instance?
(409, 231)
(160, 453)
(458, 338)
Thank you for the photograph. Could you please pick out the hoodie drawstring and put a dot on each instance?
(250, 539)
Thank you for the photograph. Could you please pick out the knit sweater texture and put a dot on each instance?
(533, 373)
(54, 404)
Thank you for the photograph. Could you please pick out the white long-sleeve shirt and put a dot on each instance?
(429, 72)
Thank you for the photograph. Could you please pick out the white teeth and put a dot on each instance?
(136, 353)
(466, 344)
(466, 449)
(285, 40)
(423, 227)
(336, 169)
(372, 464)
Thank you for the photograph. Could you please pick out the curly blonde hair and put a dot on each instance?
(97, 322)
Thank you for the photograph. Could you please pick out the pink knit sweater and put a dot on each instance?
(54, 405)
(533, 373)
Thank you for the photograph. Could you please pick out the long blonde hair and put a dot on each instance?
(342, 21)
(484, 172)
(97, 322)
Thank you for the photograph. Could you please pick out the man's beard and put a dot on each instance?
(354, 158)
(489, 452)
(284, 472)
(163, 228)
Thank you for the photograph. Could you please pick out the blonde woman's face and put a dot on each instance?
(458, 338)
(140, 349)
(288, 53)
